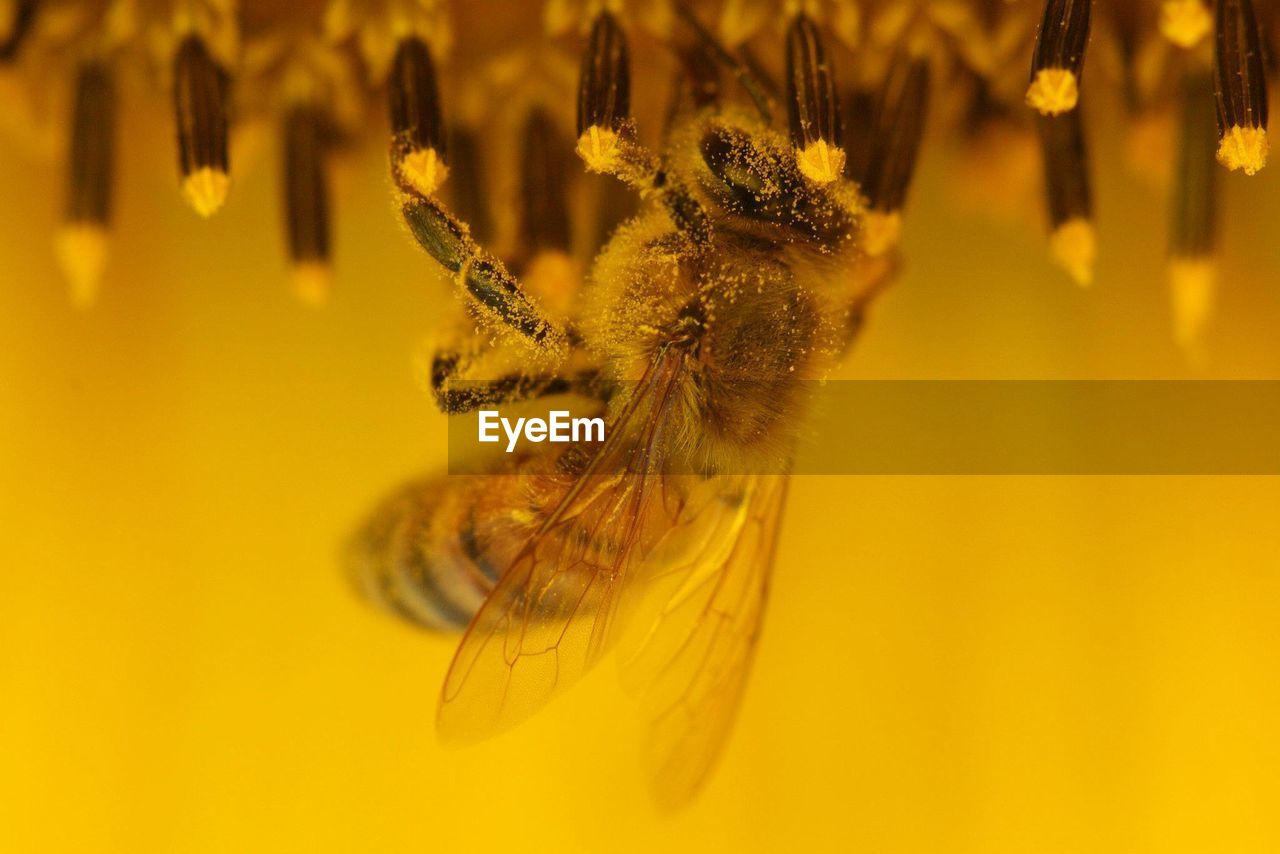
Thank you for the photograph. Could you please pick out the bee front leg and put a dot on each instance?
(491, 291)
(493, 294)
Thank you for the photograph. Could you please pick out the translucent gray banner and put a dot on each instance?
(995, 427)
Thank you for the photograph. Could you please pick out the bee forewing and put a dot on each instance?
(551, 615)
(695, 652)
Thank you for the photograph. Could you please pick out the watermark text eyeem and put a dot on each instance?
(559, 426)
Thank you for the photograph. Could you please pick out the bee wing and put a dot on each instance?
(697, 653)
(551, 615)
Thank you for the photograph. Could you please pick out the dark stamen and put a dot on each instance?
(746, 78)
(604, 91)
(82, 242)
(1059, 56)
(92, 152)
(701, 75)
(544, 180)
(417, 147)
(1069, 194)
(858, 115)
(1192, 272)
(604, 94)
(200, 103)
(894, 146)
(1194, 227)
(1241, 84)
(812, 104)
(467, 184)
(306, 201)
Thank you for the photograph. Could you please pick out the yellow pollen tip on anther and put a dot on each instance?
(1193, 283)
(206, 190)
(881, 232)
(1185, 22)
(311, 283)
(82, 253)
(820, 161)
(598, 148)
(424, 170)
(1244, 148)
(1074, 246)
(1054, 91)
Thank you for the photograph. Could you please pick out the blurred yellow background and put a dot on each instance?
(949, 664)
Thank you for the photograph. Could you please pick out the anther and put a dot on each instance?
(544, 181)
(604, 96)
(1241, 85)
(1059, 56)
(1185, 22)
(1072, 240)
(417, 148)
(812, 105)
(858, 115)
(200, 104)
(700, 75)
(467, 190)
(306, 202)
(82, 241)
(1192, 270)
(894, 146)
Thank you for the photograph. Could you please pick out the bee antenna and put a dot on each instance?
(741, 72)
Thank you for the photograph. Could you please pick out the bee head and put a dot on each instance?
(745, 175)
(755, 182)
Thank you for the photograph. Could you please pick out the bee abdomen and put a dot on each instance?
(416, 558)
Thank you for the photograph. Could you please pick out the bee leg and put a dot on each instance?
(455, 394)
(493, 294)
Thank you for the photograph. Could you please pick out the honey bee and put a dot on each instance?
(700, 322)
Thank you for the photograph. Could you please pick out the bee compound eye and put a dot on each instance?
(727, 154)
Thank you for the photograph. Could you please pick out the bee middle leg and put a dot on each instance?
(473, 373)
(455, 393)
